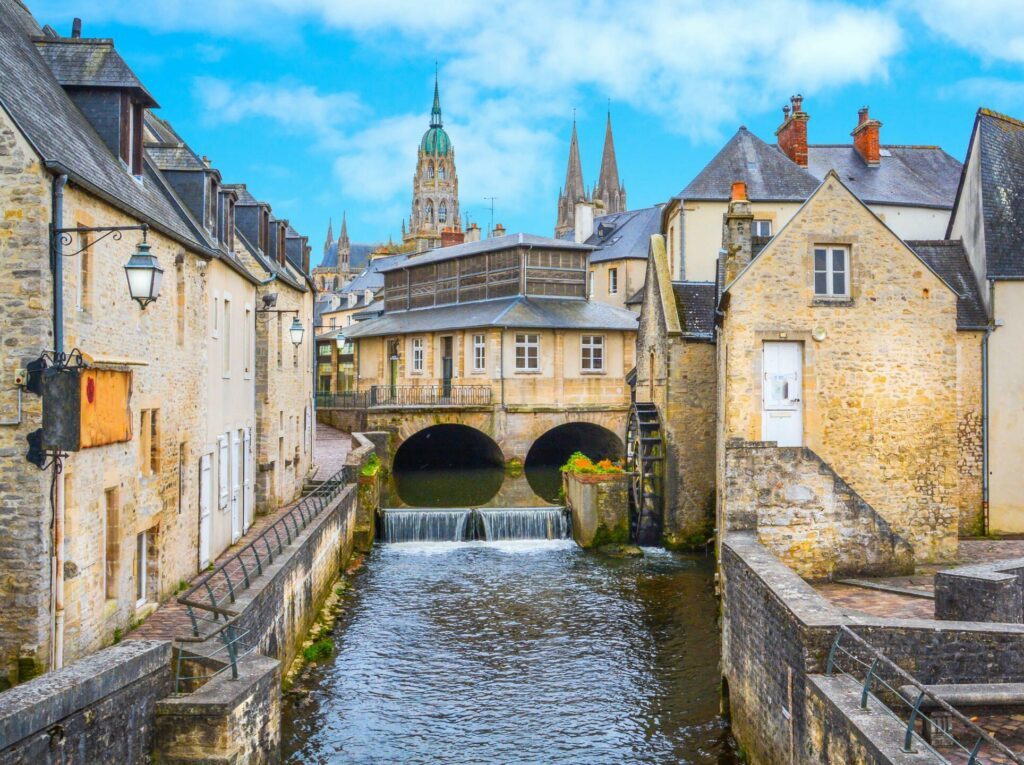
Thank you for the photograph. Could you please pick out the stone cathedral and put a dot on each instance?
(609, 193)
(435, 186)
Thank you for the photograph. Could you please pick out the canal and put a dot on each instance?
(527, 651)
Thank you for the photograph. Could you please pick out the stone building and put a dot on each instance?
(608, 196)
(123, 522)
(910, 188)
(505, 324)
(618, 263)
(807, 357)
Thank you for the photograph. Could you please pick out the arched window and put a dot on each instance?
(442, 213)
(430, 212)
(430, 169)
(440, 171)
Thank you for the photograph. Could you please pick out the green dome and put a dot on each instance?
(436, 142)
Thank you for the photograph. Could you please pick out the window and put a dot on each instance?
(479, 353)
(590, 284)
(226, 338)
(110, 570)
(430, 212)
(440, 171)
(592, 353)
(527, 353)
(180, 305)
(761, 229)
(334, 322)
(140, 568)
(324, 349)
(613, 281)
(831, 269)
(442, 213)
(417, 354)
(430, 170)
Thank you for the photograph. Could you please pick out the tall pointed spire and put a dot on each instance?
(435, 113)
(330, 235)
(609, 190)
(574, 190)
(343, 236)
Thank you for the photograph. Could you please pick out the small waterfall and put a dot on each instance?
(524, 523)
(414, 525)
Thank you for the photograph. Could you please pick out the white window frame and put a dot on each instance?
(417, 355)
(756, 223)
(141, 542)
(588, 345)
(830, 272)
(529, 344)
(479, 353)
(613, 281)
(590, 283)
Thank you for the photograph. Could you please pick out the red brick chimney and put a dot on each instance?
(865, 138)
(792, 133)
(450, 236)
(739, 191)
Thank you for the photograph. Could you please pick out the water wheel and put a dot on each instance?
(645, 456)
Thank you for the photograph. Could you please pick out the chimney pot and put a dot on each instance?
(862, 115)
(739, 191)
(866, 138)
(76, 28)
(785, 112)
(798, 102)
(792, 133)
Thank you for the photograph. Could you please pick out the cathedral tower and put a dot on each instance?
(435, 186)
(574, 190)
(609, 190)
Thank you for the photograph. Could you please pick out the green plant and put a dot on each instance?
(371, 467)
(318, 651)
(514, 467)
(118, 635)
(182, 586)
(579, 462)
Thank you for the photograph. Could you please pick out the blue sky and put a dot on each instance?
(318, 105)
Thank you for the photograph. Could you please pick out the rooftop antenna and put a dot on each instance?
(490, 231)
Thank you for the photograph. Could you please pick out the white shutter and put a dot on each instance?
(222, 472)
(205, 474)
(236, 485)
(247, 480)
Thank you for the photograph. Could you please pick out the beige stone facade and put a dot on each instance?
(879, 366)
(616, 289)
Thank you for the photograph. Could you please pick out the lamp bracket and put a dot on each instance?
(67, 235)
(278, 310)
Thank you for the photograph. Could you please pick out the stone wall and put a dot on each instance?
(991, 592)
(97, 710)
(970, 443)
(879, 390)
(776, 635)
(600, 508)
(345, 420)
(807, 515)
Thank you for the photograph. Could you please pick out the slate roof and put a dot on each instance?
(65, 139)
(90, 62)
(949, 260)
(1001, 156)
(286, 273)
(372, 276)
(637, 298)
(358, 255)
(488, 245)
(516, 312)
(768, 173)
(624, 235)
(695, 302)
(915, 176)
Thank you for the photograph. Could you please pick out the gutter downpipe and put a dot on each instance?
(57, 566)
(985, 415)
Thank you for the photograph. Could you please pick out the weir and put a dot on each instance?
(467, 524)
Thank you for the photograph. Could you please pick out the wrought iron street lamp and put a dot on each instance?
(296, 330)
(144, 275)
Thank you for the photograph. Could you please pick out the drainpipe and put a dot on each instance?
(984, 430)
(501, 366)
(57, 492)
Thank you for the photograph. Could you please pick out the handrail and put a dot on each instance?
(383, 396)
(872, 675)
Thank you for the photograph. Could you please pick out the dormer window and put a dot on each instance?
(211, 206)
(131, 134)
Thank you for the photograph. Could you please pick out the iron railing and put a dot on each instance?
(383, 396)
(223, 658)
(858, 656)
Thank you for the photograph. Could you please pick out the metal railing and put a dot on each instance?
(875, 666)
(225, 657)
(384, 396)
(430, 395)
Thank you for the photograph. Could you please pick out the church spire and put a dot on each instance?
(343, 236)
(574, 190)
(435, 113)
(330, 235)
(609, 190)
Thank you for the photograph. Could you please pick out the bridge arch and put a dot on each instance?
(437, 450)
(556, 445)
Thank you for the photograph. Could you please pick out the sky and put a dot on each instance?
(319, 105)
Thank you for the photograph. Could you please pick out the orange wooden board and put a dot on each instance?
(106, 415)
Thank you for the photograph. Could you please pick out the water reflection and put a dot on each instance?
(473, 487)
(517, 652)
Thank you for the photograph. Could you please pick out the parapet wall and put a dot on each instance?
(776, 635)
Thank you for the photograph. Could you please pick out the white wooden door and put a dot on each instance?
(222, 473)
(247, 496)
(236, 486)
(782, 394)
(205, 503)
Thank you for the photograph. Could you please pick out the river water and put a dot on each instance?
(517, 652)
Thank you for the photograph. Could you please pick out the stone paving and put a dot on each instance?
(170, 620)
(877, 603)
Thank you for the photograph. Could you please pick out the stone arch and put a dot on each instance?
(557, 444)
(423, 467)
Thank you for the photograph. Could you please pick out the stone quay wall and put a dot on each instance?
(990, 592)
(100, 709)
(807, 515)
(600, 507)
(776, 635)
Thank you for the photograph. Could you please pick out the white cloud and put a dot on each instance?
(993, 29)
(993, 92)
